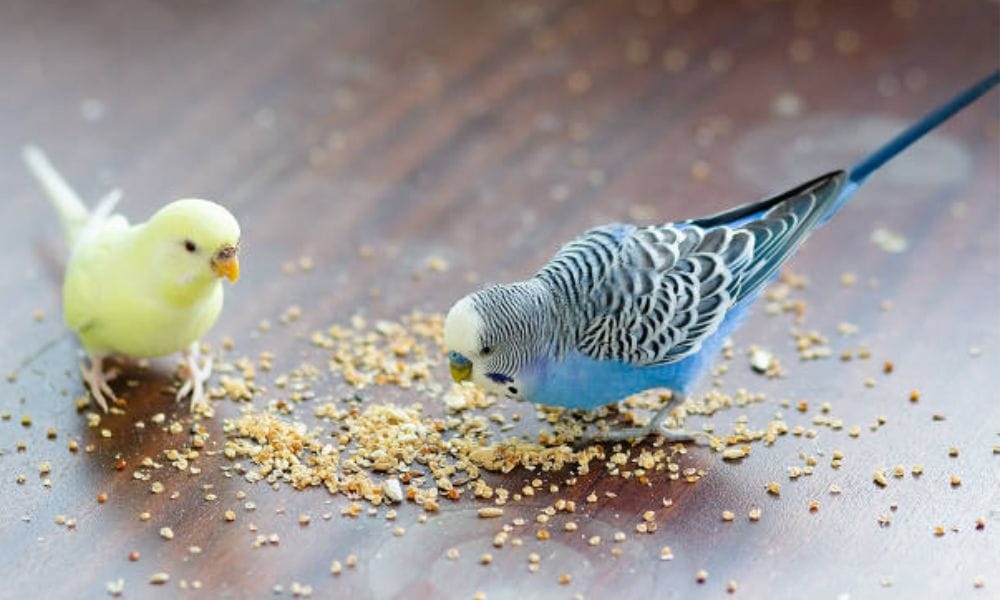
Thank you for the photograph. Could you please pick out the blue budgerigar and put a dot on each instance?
(626, 308)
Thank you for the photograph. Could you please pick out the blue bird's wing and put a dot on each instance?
(751, 211)
(779, 232)
(668, 288)
(657, 293)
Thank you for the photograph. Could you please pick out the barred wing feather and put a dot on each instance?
(652, 295)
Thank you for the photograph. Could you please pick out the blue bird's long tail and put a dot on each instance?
(871, 163)
(781, 223)
(850, 182)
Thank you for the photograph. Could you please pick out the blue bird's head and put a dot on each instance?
(478, 350)
(495, 335)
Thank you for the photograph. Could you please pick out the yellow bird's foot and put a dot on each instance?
(97, 380)
(197, 376)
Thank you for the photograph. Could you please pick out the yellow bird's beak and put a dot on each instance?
(461, 367)
(226, 264)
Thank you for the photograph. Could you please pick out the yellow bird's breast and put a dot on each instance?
(114, 306)
(135, 326)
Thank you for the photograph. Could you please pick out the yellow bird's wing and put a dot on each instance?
(91, 269)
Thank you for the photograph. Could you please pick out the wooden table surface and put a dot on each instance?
(486, 134)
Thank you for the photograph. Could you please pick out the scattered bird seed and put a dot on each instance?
(880, 479)
(889, 241)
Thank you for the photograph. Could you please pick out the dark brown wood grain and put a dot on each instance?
(452, 129)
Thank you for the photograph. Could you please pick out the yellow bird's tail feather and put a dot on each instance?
(72, 211)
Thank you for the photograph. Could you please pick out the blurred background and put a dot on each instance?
(484, 132)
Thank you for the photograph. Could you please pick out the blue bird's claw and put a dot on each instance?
(655, 426)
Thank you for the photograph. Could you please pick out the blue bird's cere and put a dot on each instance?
(626, 308)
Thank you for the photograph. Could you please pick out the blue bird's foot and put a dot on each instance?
(655, 426)
(637, 434)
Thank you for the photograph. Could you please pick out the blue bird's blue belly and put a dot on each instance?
(579, 381)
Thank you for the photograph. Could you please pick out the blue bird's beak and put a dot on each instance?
(461, 367)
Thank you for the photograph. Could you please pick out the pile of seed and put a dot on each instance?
(407, 435)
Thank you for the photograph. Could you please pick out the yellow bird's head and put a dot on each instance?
(193, 242)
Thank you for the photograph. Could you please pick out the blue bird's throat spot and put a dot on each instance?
(499, 378)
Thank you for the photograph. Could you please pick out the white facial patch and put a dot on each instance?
(462, 334)
(462, 327)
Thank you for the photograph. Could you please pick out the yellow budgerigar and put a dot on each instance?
(142, 290)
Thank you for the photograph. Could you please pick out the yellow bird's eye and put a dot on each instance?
(190, 246)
